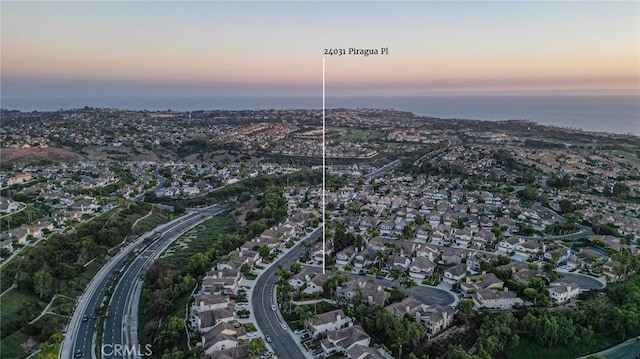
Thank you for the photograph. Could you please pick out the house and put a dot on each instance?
(435, 319)
(524, 276)
(344, 339)
(19, 179)
(462, 237)
(348, 290)
(268, 241)
(509, 245)
(85, 206)
(317, 252)
(8, 206)
(239, 352)
(206, 301)
(345, 256)
(18, 234)
(396, 261)
(299, 279)
(433, 218)
(363, 352)
(373, 294)
(315, 284)
(483, 238)
(455, 274)
(222, 336)
(365, 258)
(493, 299)
(408, 305)
(421, 267)
(513, 267)
(481, 281)
(206, 320)
(422, 232)
(428, 251)
(386, 227)
(563, 255)
(367, 223)
(326, 322)
(564, 292)
(588, 258)
(444, 231)
(477, 259)
(530, 249)
(405, 248)
(224, 281)
(378, 243)
(454, 256)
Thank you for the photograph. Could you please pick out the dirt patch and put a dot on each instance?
(38, 155)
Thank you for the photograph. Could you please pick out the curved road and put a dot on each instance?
(79, 340)
(584, 281)
(270, 322)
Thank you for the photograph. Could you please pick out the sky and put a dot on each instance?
(178, 48)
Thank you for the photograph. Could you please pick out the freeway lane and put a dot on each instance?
(283, 345)
(117, 322)
(79, 339)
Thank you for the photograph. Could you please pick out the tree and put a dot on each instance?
(409, 283)
(566, 206)
(42, 283)
(549, 270)
(620, 189)
(255, 348)
(381, 258)
(171, 333)
(464, 310)
(296, 268)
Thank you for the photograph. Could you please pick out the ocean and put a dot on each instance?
(614, 113)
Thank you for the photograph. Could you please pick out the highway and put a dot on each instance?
(79, 339)
(384, 169)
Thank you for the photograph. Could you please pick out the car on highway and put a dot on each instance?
(85, 318)
(273, 307)
(267, 338)
(284, 326)
(78, 353)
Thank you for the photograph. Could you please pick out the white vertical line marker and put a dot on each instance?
(324, 127)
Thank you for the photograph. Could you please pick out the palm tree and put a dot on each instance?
(382, 258)
(409, 283)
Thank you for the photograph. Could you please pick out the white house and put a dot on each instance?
(222, 336)
(435, 318)
(344, 339)
(455, 274)
(326, 322)
(493, 299)
(421, 267)
(345, 256)
(530, 249)
(564, 292)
